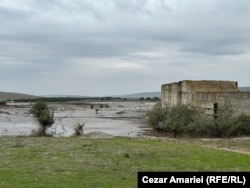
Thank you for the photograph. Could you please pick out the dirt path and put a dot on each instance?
(237, 150)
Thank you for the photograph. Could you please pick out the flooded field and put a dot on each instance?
(100, 118)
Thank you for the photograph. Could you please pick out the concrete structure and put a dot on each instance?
(207, 94)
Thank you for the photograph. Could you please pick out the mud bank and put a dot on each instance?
(110, 118)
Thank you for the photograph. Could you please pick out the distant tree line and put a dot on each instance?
(68, 99)
(150, 99)
(71, 99)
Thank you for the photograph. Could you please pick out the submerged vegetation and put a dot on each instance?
(3, 103)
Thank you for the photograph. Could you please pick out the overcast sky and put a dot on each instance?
(112, 47)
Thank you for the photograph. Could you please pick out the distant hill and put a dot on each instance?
(10, 96)
(139, 95)
(63, 96)
(134, 95)
(244, 88)
(158, 93)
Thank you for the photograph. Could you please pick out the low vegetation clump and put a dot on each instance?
(79, 129)
(3, 103)
(190, 120)
(44, 116)
(150, 99)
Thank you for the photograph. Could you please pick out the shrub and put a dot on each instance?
(223, 124)
(242, 124)
(3, 103)
(173, 119)
(79, 129)
(179, 117)
(156, 99)
(44, 116)
(156, 116)
(188, 120)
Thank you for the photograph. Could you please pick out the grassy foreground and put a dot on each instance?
(111, 162)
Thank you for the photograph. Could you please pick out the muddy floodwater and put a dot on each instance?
(109, 118)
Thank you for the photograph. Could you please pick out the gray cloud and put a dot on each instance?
(7, 15)
(143, 40)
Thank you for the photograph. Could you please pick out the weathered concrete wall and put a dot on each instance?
(240, 101)
(185, 93)
(212, 86)
(169, 94)
(188, 91)
(206, 94)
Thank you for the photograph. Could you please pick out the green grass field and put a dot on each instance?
(111, 162)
